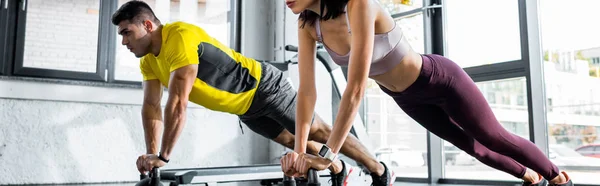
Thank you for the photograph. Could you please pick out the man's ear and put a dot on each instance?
(148, 25)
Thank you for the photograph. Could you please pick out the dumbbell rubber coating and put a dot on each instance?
(152, 180)
(313, 177)
(289, 181)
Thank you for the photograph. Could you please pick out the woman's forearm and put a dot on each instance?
(304, 116)
(345, 117)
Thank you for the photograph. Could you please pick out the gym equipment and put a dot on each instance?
(289, 181)
(213, 175)
(313, 179)
(152, 180)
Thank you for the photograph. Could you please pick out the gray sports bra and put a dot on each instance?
(388, 50)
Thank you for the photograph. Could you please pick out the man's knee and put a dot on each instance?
(319, 130)
(285, 138)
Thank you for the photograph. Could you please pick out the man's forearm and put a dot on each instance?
(152, 123)
(175, 113)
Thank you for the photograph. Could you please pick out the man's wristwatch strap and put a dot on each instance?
(163, 158)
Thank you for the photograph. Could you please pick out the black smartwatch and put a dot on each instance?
(326, 153)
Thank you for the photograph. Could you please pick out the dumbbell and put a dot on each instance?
(153, 180)
(312, 176)
(289, 181)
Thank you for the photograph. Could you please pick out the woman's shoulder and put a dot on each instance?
(307, 28)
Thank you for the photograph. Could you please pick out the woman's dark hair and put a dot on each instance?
(334, 9)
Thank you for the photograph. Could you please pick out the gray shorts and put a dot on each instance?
(273, 108)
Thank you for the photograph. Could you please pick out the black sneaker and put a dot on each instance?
(339, 179)
(568, 183)
(541, 182)
(386, 179)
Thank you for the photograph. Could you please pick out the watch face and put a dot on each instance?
(323, 151)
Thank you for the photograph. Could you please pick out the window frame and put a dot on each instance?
(3, 33)
(7, 31)
(528, 67)
(12, 40)
(20, 70)
(233, 18)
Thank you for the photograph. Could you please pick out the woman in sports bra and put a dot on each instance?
(431, 89)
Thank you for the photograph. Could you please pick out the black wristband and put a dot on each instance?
(163, 158)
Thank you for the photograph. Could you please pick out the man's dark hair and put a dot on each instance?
(135, 12)
(334, 9)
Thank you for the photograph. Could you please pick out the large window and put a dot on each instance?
(480, 36)
(59, 39)
(571, 45)
(497, 45)
(68, 42)
(211, 15)
(400, 142)
(506, 99)
(75, 39)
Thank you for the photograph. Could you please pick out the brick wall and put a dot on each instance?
(62, 34)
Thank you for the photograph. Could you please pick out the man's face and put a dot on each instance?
(136, 37)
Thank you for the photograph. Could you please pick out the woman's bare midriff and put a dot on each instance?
(402, 75)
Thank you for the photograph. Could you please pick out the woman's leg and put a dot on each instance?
(436, 121)
(466, 105)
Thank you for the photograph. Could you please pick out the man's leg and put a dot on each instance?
(287, 139)
(352, 147)
(272, 130)
(319, 132)
(280, 104)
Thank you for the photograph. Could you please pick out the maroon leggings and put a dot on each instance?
(446, 101)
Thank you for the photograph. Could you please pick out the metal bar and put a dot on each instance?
(498, 76)
(51, 73)
(411, 180)
(111, 59)
(5, 4)
(478, 182)
(103, 39)
(434, 44)
(496, 71)
(414, 11)
(235, 12)
(225, 174)
(237, 177)
(532, 53)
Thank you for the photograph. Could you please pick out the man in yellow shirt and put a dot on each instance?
(195, 66)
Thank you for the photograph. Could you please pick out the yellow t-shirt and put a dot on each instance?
(226, 80)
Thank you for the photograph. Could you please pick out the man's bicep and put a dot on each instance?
(182, 80)
(152, 92)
